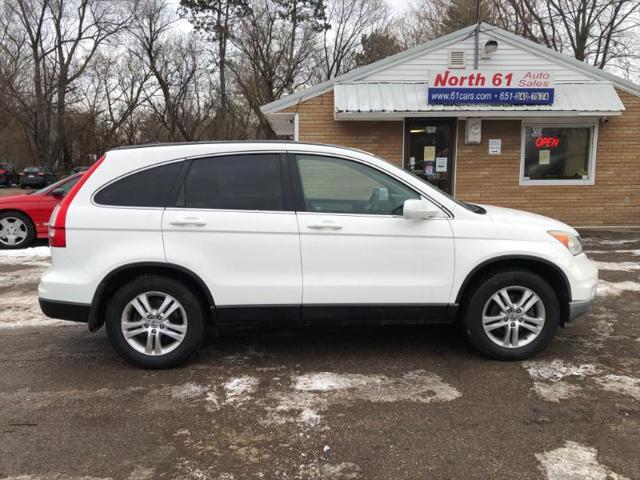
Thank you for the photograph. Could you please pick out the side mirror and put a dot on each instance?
(419, 209)
(58, 193)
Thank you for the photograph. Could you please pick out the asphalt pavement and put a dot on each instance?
(339, 403)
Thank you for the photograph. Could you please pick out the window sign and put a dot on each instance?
(502, 87)
(558, 154)
(441, 164)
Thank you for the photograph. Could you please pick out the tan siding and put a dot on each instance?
(316, 124)
(613, 200)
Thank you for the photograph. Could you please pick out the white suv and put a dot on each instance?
(159, 242)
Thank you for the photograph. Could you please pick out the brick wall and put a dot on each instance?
(613, 200)
(316, 124)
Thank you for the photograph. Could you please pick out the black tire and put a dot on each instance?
(195, 321)
(489, 285)
(30, 231)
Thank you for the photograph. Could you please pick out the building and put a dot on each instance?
(491, 118)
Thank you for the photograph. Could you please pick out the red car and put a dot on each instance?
(23, 218)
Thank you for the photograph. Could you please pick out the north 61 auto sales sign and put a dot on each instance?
(500, 87)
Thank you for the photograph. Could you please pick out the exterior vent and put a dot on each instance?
(456, 59)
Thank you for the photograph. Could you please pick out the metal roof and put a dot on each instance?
(441, 42)
(391, 97)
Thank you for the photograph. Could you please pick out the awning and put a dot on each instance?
(283, 124)
(388, 101)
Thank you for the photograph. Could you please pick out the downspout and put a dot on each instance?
(477, 42)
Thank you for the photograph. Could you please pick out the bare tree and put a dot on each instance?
(274, 45)
(53, 42)
(429, 19)
(349, 20)
(595, 31)
(182, 102)
(217, 20)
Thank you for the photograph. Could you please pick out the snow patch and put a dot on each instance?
(325, 381)
(315, 392)
(328, 471)
(616, 288)
(186, 391)
(574, 462)
(21, 309)
(23, 276)
(554, 392)
(635, 252)
(58, 476)
(549, 378)
(617, 266)
(621, 384)
(556, 370)
(600, 241)
(33, 253)
(239, 390)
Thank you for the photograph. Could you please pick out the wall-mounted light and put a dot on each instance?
(489, 48)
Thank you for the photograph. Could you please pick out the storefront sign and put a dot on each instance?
(501, 87)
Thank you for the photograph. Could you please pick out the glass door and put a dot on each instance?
(429, 150)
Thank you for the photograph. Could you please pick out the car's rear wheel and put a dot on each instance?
(16, 230)
(155, 322)
(512, 315)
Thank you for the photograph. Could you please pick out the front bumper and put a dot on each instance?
(75, 312)
(578, 308)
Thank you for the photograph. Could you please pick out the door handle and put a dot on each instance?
(326, 225)
(183, 222)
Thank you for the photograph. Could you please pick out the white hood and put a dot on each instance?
(510, 216)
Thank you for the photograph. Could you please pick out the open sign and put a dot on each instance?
(547, 142)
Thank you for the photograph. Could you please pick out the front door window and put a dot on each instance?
(429, 151)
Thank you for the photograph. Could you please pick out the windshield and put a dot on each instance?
(65, 184)
(32, 169)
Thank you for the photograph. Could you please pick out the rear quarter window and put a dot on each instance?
(149, 188)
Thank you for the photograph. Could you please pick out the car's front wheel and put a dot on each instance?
(155, 322)
(512, 315)
(16, 230)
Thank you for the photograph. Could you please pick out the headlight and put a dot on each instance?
(572, 242)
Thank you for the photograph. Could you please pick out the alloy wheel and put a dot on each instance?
(154, 323)
(513, 316)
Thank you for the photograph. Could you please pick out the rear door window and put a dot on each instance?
(235, 182)
(152, 187)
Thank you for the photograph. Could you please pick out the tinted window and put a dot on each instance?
(149, 188)
(235, 182)
(335, 185)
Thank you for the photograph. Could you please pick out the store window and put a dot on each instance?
(558, 154)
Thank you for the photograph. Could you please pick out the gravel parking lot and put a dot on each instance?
(374, 403)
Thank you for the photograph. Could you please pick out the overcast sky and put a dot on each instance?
(398, 6)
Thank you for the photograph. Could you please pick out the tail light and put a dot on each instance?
(2, 172)
(41, 174)
(21, 174)
(58, 221)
